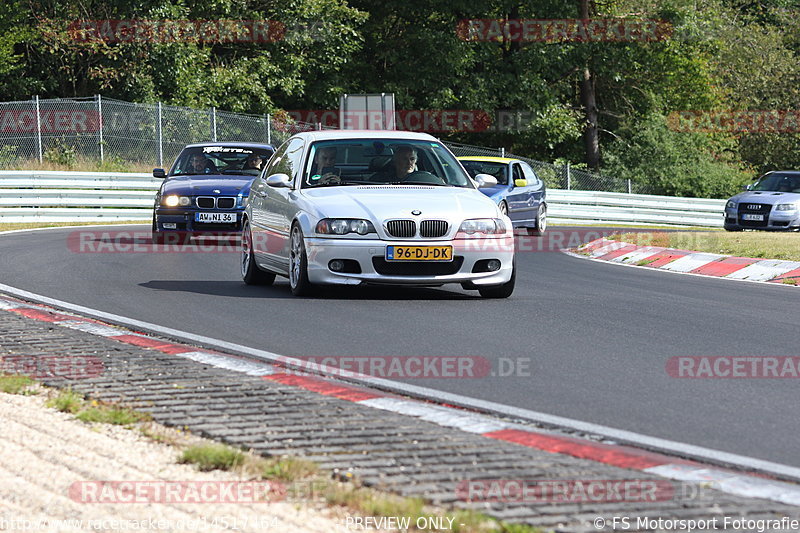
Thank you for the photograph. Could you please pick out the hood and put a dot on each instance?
(491, 191)
(206, 184)
(381, 202)
(767, 197)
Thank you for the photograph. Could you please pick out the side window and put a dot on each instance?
(518, 172)
(275, 161)
(530, 175)
(294, 155)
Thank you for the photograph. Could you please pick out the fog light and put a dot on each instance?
(493, 265)
(170, 225)
(337, 265)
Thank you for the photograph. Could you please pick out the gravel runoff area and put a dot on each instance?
(43, 452)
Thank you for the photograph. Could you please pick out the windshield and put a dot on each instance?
(778, 183)
(382, 161)
(498, 170)
(221, 160)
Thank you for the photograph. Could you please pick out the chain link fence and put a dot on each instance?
(118, 135)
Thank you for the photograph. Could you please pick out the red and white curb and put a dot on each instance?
(689, 262)
(623, 456)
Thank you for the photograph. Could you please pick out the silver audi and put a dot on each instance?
(374, 207)
(771, 203)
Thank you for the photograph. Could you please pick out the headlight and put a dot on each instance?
(174, 201)
(786, 207)
(343, 226)
(481, 226)
(731, 204)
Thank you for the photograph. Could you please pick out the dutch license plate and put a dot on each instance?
(220, 218)
(419, 253)
(758, 218)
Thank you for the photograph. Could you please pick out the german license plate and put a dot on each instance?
(419, 253)
(758, 218)
(219, 218)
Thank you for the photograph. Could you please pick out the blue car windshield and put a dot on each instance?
(221, 160)
(498, 170)
(778, 183)
(382, 162)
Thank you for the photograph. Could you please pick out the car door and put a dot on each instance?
(263, 246)
(536, 189)
(279, 206)
(517, 197)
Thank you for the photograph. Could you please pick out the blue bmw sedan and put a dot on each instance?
(206, 190)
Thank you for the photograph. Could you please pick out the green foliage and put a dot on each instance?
(61, 154)
(67, 401)
(674, 163)
(212, 457)
(722, 54)
(15, 384)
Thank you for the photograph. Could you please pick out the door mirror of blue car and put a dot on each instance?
(748, 187)
(521, 183)
(279, 180)
(485, 180)
(159, 173)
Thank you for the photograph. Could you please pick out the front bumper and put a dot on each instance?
(773, 220)
(183, 220)
(370, 255)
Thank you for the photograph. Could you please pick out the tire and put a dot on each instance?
(157, 238)
(541, 222)
(501, 291)
(503, 207)
(251, 274)
(298, 264)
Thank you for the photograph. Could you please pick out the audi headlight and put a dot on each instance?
(174, 201)
(343, 226)
(476, 227)
(731, 204)
(786, 207)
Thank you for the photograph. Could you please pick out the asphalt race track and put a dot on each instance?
(596, 336)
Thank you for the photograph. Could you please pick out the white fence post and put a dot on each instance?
(100, 132)
(160, 139)
(214, 124)
(38, 128)
(569, 178)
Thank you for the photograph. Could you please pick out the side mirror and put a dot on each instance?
(278, 181)
(521, 183)
(748, 187)
(485, 180)
(159, 173)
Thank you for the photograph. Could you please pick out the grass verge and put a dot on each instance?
(69, 401)
(10, 226)
(760, 245)
(17, 384)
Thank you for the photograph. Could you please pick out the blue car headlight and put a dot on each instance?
(730, 205)
(173, 200)
(786, 207)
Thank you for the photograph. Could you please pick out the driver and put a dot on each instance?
(404, 162)
(323, 171)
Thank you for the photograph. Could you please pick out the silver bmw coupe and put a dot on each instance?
(374, 207)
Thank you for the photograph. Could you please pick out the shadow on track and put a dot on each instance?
(237, 289)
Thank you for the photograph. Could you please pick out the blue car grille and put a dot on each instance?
(221, 202)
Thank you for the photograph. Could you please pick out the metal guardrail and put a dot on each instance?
(43, 196)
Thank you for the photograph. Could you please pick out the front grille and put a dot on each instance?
(416, 268)
(433, 228)
(754, 208)
(210, 202)
(402, 229)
